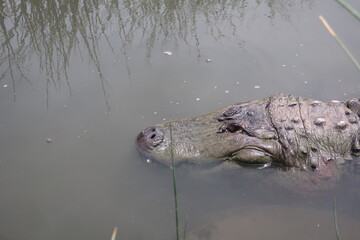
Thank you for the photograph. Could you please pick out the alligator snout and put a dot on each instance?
(150, 137)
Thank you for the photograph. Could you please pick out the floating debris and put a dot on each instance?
(208, 60)
(49, 140)
(168, 53)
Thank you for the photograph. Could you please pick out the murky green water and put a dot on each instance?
(89, 75)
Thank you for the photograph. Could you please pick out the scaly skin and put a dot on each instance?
(286, 130)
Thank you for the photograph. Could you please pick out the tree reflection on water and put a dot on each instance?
(51, 31)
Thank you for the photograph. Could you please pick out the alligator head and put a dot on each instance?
(290, 131)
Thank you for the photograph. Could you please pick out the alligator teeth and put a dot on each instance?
(341, 125)
(319, 121)
(292, 104)
(335, 101)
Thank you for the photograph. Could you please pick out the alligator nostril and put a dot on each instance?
(150, 137)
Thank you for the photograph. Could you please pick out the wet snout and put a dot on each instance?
(150, 137)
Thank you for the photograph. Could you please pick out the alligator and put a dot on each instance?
(281, 130)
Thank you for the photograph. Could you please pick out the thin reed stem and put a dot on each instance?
(349, 8)
(335, 220)
(113, 236)
(174, 184)
(342, 45)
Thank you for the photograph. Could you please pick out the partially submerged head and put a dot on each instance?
(204, 139)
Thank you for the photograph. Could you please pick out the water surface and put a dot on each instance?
(91, 75)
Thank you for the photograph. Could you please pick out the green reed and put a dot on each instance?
(342, 45)
(335, 220)
(174, 184)
(349, 8)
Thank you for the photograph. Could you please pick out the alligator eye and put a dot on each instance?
(233, 128)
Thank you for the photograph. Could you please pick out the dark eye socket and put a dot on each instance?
(233, 128)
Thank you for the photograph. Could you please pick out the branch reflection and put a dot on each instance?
(50, 31)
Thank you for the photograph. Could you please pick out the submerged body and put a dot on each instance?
(285, 130)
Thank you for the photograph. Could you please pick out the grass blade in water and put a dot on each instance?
(174, 184)
(113, 236)
(347, 51)
(349, 8)
(335, 220)
(185, 227)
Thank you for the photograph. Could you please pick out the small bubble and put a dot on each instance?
(256, 86)
(5, 85)
(148, 160)
(305, 82)
(227, 91)
(237, 82)
(301, 45)
(215, 87)
(155, 113)
(197, 99)
(284, 65)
